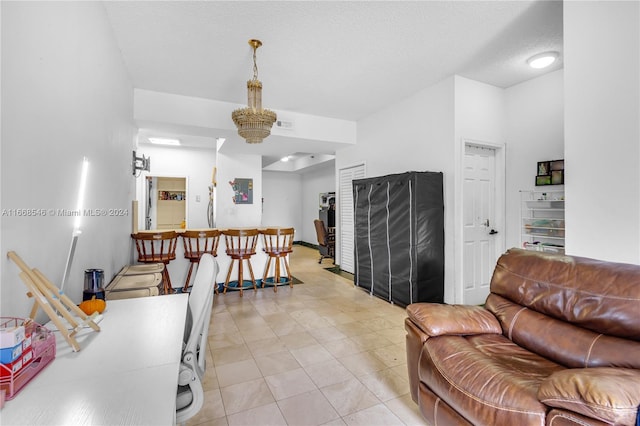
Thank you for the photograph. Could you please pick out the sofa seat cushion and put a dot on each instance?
(609, 394)
(558, 417)
(486, 378)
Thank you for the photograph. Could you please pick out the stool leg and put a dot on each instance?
(266, 271)
(168, 288)
(253, 279)
(226, 281)
(186, 283)
(276, 279)
(240, 277)
(286, 266)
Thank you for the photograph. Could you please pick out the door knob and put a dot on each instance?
(493, 232)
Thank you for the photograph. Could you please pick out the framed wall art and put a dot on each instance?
(550, 173)
(242, 190)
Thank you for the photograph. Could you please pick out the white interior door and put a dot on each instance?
(345, 206)
(479, 230)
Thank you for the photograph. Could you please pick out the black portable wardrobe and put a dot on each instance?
(399, 237)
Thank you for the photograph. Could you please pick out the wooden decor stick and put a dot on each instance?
(47, 296)
(42, 301)
(67, 302)
(34, 308)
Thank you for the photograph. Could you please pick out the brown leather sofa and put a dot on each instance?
(557, 343)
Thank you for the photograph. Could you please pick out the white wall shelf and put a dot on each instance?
(542, 226)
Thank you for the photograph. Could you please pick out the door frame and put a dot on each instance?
(141, 194)
(499, 208)
(338, 252)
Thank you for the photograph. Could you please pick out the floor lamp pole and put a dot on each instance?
(72, 250)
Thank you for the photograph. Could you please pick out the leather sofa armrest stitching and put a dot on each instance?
(566, 417)
(475, 398)
(632, 410)
(564, 286)
(513, 322)
(586, 361)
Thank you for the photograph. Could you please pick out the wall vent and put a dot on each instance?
(285, 125)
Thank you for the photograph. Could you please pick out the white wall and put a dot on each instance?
(229, 214)
(314, 182)
(282, 206)
(602, 129)
(480, 117)
(415, 134)
(194, 164)
(479, 111)
(197, 166)
(424, 132)
(199, 113)
(534, 132)
(65, 95)
(285, 200)
(290, 199)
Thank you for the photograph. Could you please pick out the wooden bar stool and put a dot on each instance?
(241, 245)
(278, 243)
(326, 241)
(157, 247)
(195, 244)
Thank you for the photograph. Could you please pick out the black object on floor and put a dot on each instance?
(338, 271)
(233, 283)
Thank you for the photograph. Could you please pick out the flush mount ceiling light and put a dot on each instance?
(165, 141)
(254, 123)
(542, 60)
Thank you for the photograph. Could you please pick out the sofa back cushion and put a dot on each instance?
(576, 311)
(560, 341)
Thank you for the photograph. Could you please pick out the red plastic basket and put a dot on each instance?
(37, 356)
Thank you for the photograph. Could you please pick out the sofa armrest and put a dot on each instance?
(436, 319)
(608, 394)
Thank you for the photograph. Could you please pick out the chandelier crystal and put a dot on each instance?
(253, 122)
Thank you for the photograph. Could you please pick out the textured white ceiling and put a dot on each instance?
(340, 59)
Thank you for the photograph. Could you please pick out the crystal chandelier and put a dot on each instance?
(253, 122)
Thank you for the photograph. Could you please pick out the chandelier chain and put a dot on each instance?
(255, 65)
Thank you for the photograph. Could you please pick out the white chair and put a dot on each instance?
(190, 396)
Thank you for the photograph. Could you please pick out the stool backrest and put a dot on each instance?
(156, 246)
(198, 242)
(241, 241)
(321, 232)
(278, 240)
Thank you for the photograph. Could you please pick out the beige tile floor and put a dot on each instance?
(320, 353)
